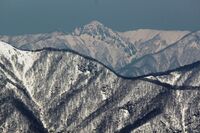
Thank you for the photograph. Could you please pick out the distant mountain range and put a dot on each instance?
(54, 91)
(131, 53)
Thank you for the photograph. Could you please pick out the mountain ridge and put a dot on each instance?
(187, 47)
(70, 93)
(100, 42)
(181, 68)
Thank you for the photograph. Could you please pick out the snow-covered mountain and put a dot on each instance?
(183, 52)
(94, 40)
(151, 41)
(132, 53)
(53, 90)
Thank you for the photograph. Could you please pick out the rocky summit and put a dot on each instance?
(61, 91)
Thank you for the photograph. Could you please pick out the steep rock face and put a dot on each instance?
(183, 52)
(59, 91)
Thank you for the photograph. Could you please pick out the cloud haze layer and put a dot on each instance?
(34, 16)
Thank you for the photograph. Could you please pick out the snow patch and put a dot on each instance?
(171, 79)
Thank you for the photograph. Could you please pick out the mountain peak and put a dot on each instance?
(94, 23)
(94, 28)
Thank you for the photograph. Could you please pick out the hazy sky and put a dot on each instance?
(36, 16)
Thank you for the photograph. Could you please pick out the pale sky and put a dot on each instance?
(39, 16)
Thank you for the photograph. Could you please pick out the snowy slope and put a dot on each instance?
(132, 53)
(16, 59)
(102, 43)
(93, 39)
(151, 41)
(143, 35)
(183, 52)
(61, 91)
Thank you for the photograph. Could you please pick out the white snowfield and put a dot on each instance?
(143, 35)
